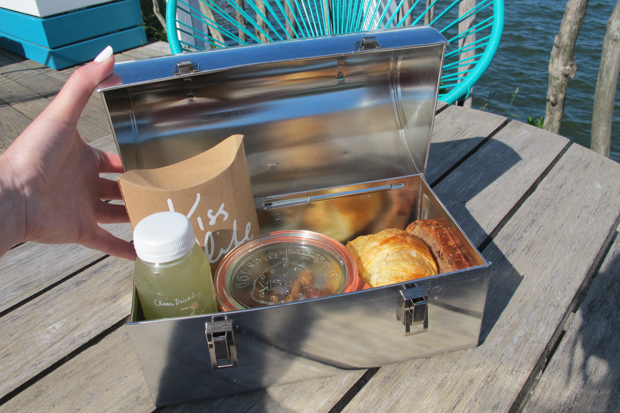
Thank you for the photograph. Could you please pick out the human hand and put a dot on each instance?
(50, 188)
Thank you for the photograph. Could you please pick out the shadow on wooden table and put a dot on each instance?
(593, 354)
(475, 193)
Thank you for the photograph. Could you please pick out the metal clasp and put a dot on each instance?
(221, 341)
(186, 67)
(413, 310)
(368, 43)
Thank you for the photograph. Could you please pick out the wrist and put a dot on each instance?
(12, 208)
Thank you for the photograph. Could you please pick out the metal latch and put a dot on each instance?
(185, 67)
(368, 43)
(413, 310)
(221, 341)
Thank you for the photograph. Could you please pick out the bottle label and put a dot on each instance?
(192, 300)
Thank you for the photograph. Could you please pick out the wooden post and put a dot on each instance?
(289, 9)
(241, 20)
(430, 14)
(403, 11)
(206, 10)
(562, 65)
(260, 22)
(464, 7)
(605, 95)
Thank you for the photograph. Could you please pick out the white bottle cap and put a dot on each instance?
(163, 237)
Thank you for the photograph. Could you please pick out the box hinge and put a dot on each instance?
(186, 67)
(221, 341)
(368, 43)
(413, 311)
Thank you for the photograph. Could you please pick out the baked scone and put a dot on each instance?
(444, 248)
(391, 256)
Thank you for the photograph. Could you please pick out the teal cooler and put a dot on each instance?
(75, 37)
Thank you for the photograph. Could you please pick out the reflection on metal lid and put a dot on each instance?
(283, 267)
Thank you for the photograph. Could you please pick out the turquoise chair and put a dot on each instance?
(472, 27)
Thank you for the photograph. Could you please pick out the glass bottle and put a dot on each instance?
(172, 274)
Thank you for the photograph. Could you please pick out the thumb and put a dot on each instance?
(74, 95)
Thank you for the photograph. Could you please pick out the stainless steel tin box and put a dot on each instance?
(337, 132)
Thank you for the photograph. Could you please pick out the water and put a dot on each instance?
(522, 61)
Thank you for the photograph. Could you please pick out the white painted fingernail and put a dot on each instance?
(104, 55)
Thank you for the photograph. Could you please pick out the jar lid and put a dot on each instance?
(163, 237)
(282, 267)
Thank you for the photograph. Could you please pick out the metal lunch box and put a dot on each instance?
(337, 133)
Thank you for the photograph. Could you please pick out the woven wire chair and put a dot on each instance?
(472, 27)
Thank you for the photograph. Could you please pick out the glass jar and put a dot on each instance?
(283, 267)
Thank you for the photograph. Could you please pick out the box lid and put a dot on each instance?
(316, 113)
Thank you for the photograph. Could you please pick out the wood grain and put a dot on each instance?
(310, 396)
(46, 329)
(33, 267)
(584, 373)
(88, 130)
(13, 123)
(146, 52)
(540, 259)
(11, 91)
(104, 378)
(456, 132)
(107, 377)
(37, 80)
(12, 62)
(497, 176)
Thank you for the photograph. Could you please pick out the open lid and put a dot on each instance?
(315, 113)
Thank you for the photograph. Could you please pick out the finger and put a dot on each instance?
(109, 190)
(74, 95)
(108, 213)
(105, 242)
(109, 162)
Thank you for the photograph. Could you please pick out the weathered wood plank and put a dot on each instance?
(32, 267)
(456, 132)
(11, 91)
(540, 259)
(158, 48)
(38, 81)
(123, 58)
(152, 50)
(104, 378)
(584, 373)
(13, 123)
(8, 58)
(309, 396)
(13, 62)
(88, 130)
(46, 329)
(107, 377)
(497, 176)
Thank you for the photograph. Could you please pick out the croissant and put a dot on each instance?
(391, 256)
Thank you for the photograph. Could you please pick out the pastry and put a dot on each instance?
(443, 246)
(341, 218)
(391, 256)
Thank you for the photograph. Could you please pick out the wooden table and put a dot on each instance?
(543, 210)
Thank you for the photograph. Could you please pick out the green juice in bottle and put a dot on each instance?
(172, 274)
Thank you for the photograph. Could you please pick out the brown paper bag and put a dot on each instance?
(212, 189)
